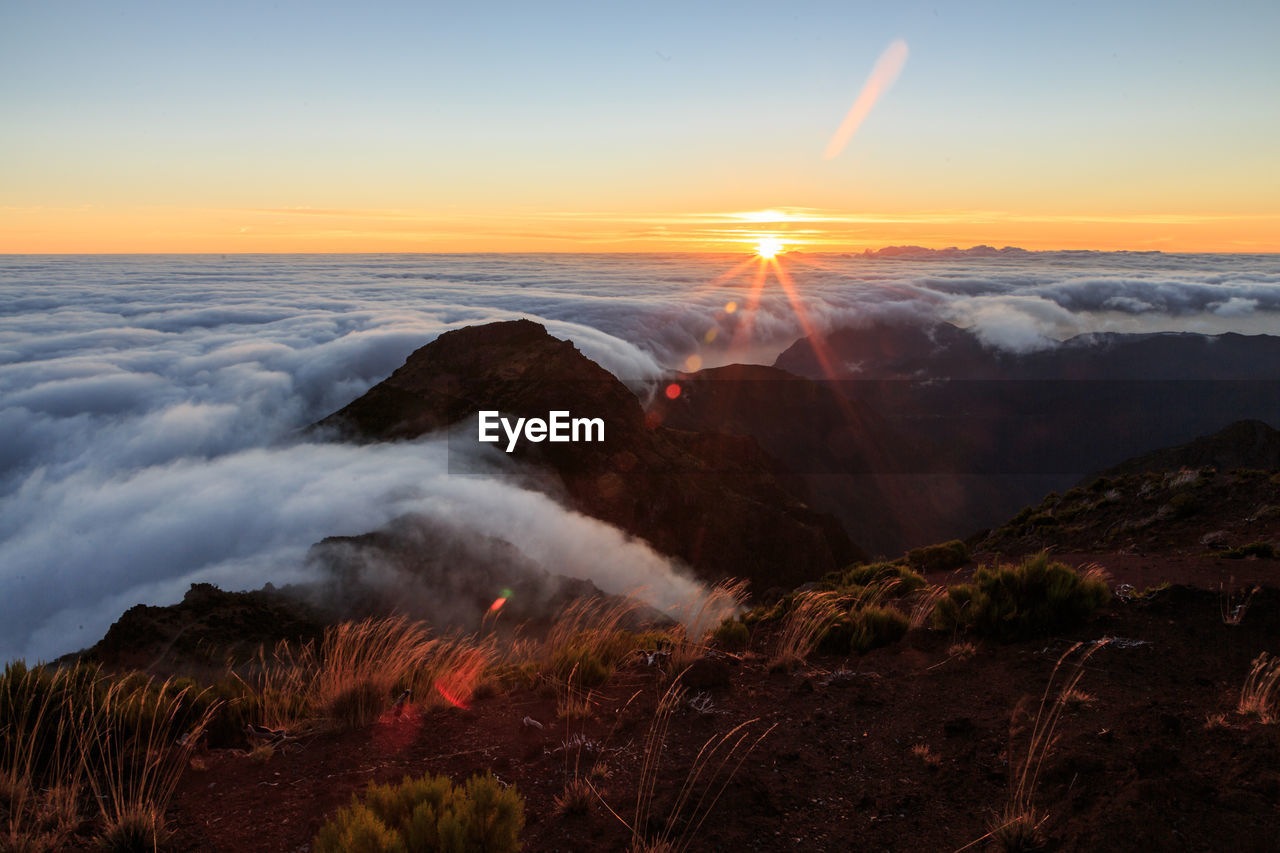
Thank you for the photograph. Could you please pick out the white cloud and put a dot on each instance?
(148, 405)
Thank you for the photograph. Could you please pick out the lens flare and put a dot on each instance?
(882, 76)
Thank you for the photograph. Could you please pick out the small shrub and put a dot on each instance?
(732, 634)
(1261, 550)
(892, 578)
(864, 629)
(426, 815)
(1012, 602)
(879, 626)
(357, 829)
(939, 558)
(582, 664)
(1183, 505)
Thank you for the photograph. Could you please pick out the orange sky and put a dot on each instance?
(92, 229)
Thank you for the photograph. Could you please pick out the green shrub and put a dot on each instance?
(898, 578)
(939, 558)
(1011, 602)
(584, 665)
(1183, 504)
(357, 829)
(428, 815)
(1262, 550)
(878, 626)
(732, 634)
(864, 629)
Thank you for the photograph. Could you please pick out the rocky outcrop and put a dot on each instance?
(708, 498)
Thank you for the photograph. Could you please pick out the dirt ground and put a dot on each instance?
(905, 748)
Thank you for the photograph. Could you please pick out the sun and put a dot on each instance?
(768, 247)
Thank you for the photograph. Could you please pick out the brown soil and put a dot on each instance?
(1156, 759)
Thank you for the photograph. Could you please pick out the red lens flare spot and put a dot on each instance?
(673, 391)
(450, 697)
(497, 605)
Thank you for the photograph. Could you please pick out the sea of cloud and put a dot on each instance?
(149, 406)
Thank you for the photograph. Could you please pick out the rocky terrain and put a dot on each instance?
(971, 702)
(708, 498)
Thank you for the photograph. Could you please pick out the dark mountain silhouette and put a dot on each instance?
(996, 430)
(889, 350)
(1244, 444)
(836, 451)
(708, 498)
(206, 628)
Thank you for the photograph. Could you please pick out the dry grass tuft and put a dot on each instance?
(576, 798)
(925, 600)
(1234, 604)
(927, 755)
(699, 617)
(357, 668)
(711, 771)
(41, 775)
(811, 615)
(135, 738)
(1018, 826)
(1261, 692)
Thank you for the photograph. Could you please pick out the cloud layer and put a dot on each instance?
(149, 404)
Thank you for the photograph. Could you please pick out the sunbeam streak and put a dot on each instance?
(886, 70)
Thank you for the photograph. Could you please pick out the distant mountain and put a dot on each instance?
(1244, 444)
(835, 450)
(917, 253)
(945, 351)
(926, 434)
(708, 498)
(1219, 494)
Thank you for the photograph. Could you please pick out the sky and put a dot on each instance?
(599, 127)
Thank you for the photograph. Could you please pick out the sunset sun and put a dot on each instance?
(768, 247)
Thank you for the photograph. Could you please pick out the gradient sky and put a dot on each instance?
(288, 126)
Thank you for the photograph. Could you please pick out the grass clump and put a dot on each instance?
(732, 634)
(426, 815)
(1019, 824)
(1261, 550)
(803, 627)
(710, 773)
(1261, 692)
(865, 628)
(1034, 598)
(939, 558)
(885, 579)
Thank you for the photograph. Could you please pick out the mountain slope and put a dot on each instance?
(708, 498)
